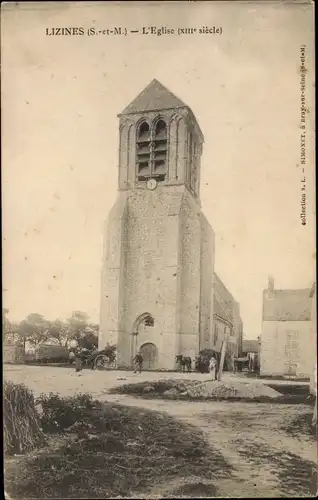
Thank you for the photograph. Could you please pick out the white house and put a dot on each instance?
(286, 338)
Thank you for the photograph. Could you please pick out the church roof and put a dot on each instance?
(222, 309)
(154, 97)
(287, 305)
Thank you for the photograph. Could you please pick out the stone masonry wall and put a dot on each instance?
(152, 264)
(151, 272)
(277, 353)
(113, 269)
(189, 268)
(206, 293)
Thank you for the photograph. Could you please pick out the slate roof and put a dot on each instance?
(250, 346)
(223, 300)
(287, 305)
(154, 97)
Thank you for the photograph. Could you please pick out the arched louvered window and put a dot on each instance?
(160, 151)
(143, 152)
(151, 149)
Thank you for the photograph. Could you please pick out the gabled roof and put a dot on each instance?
(287, 305)
(222, 309)
(221, 289)
(154, 97)
(250, 346)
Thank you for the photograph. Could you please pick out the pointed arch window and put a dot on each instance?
(151, 150)
(143, 151)
(149, 321)
(160, 151)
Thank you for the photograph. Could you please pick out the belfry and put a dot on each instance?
(158, 259)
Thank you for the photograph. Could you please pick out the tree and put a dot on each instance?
(34, 329)
(59, 331)
(89, 340)
(8, 329)
(80, 330)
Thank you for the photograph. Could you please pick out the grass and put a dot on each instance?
(293, 394)
(301, 424)
(125, 452)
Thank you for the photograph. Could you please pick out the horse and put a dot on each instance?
(184, 363)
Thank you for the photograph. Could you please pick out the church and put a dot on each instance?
(158, 257)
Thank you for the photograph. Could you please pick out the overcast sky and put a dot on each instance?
(60, 100)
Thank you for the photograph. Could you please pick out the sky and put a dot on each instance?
(60, 100)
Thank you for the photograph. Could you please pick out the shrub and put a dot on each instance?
(126, 451)
(22, 431)
(60, 413)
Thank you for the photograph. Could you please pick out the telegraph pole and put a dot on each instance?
(223, 353)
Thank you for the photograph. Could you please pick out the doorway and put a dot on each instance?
(149, 353)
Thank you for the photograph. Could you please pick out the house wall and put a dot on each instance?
(13, 353)
(226, 319)
(284, 348)
(237, 331)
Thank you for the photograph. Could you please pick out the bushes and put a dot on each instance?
(122, 451)
(22, 430)
(60, 413)
(126, 451)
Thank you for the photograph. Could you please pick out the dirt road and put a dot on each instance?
(267, 460)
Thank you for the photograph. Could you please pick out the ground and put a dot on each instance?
(267, 460)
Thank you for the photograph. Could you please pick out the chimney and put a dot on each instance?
(270, 283)
(270, 288)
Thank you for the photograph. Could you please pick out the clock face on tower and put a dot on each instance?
(152, 184)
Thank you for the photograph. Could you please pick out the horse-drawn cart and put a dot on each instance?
(104, 359)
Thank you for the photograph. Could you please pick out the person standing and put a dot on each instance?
(138, 360)
(212, 367)
(78, 361)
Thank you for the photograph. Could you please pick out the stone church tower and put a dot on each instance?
(158, 260)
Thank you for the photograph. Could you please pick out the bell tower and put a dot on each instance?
(158, 260)
(159, 138)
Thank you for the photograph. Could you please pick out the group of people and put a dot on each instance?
(138, 362)
(213, 365)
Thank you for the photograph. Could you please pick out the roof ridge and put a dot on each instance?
(160, 94)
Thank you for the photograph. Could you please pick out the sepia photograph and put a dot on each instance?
(159, 249)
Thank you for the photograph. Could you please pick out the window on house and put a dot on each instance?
(160, 151)
(149, 321)
(143, 152)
